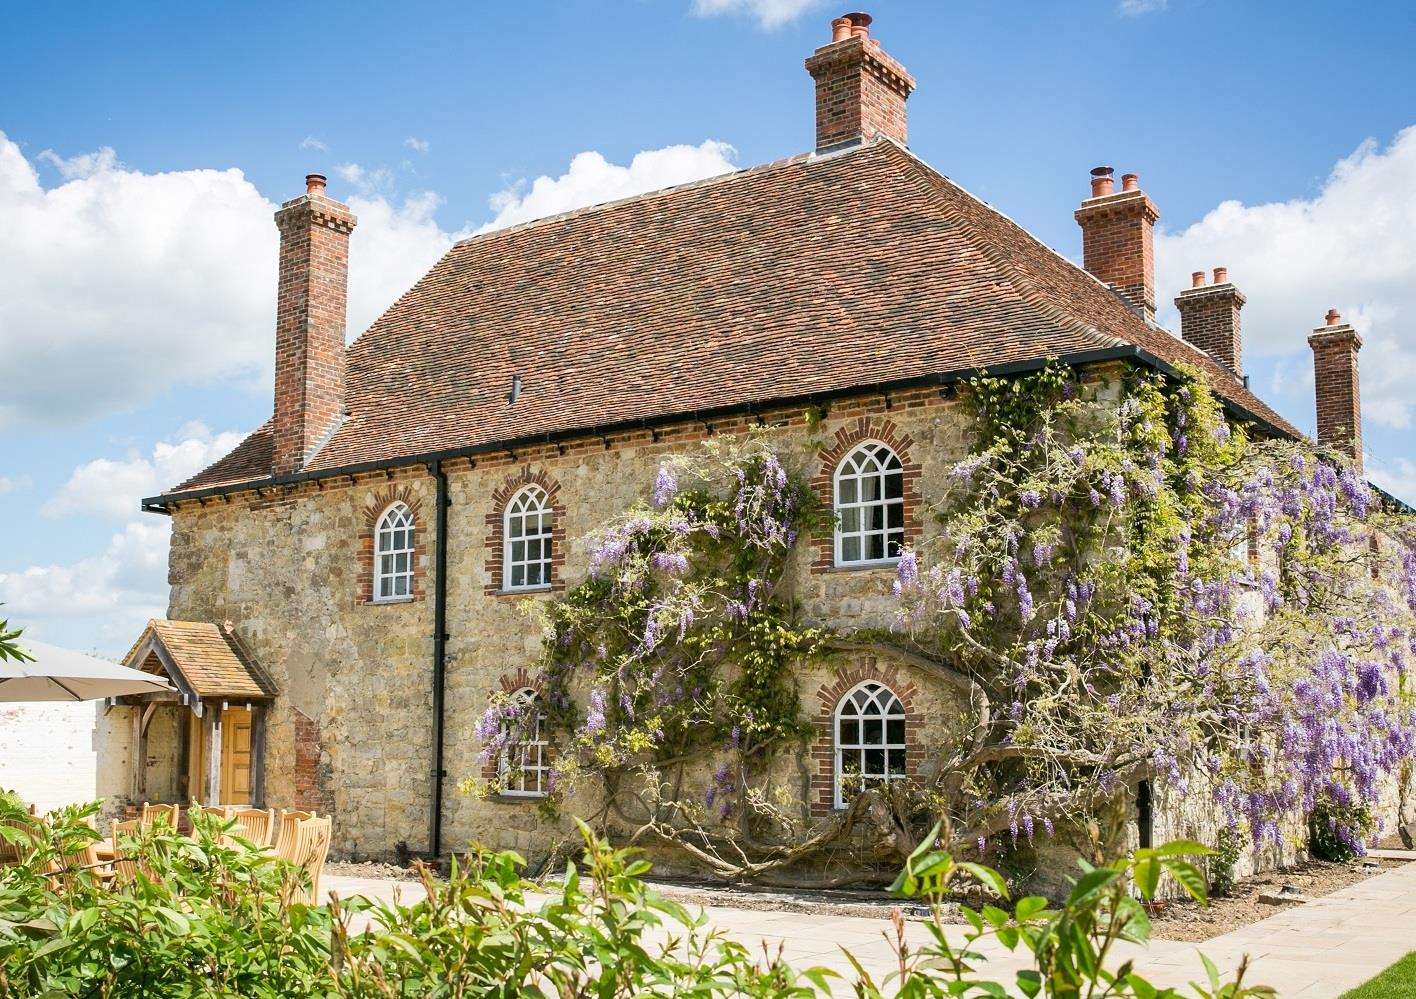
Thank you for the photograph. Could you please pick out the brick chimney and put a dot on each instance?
(309, 323)
(1337, 388)
(860, 90)
(1117, 238)
(1209, 318)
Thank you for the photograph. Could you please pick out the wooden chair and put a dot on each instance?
(284, 838)
(309, 849)
(152, 814)
(256, 825)
(125, 869)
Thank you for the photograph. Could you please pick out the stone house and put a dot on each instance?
(351, 583)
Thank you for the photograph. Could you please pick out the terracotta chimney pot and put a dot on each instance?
(840, 29)
(1333, 319)
(315, 183)
(1102, 184)
(1197, 279)
(1221, 275)
(1130, 182)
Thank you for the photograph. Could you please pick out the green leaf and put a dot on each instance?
(1147, 874)
(1028, 907)
(1190, 878)
(1090, 885)
(988, 876)
(1183, 848)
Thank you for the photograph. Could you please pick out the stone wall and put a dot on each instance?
(351, 731)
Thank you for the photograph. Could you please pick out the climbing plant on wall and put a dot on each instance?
(1120, 583)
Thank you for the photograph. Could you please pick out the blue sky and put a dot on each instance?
(145, 146)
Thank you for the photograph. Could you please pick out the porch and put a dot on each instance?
(205, 739)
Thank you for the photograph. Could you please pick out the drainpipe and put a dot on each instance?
(439, 658)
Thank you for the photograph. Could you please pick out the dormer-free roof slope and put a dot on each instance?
(809, 277)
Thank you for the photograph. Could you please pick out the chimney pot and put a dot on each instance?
(1102, 184)
(1333, 319)
(1221, 275)
(1130, 182)
(315, 183)
(840, 29)
(1197, 279)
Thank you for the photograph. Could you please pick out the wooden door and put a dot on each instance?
(236, 726)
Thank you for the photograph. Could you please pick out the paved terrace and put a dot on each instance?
(1316, 950)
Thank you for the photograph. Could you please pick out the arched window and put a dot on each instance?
(870, 740)
(526, 557)
(870, 506)
(393, 554)
(523, 760)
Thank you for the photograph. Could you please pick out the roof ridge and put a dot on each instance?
(717, 178)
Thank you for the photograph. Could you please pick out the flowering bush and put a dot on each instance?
(680, 646)
(1139, 590)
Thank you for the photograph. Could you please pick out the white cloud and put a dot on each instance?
(416, 144)
(591, 179)
(83, 165)
(1135, 8)
(769, 13)
(366, 180)
(116, 285)
(97, 602)
(1351, 246)
(14, 483)
(113, 488)
(310, 142)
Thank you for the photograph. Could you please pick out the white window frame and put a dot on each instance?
(518, 512)
(887, 465)
(524, 760)
(880, 704)
(385, 530)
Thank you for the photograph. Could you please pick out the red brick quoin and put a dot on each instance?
(496, 528)
(382, 500)
(312, 771)
(823, 750)
(867, 428)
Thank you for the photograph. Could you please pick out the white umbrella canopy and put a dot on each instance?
(61, 675)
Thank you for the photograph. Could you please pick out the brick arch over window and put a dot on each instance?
(823, 750)
(496, 531)
(368, 531)
(867, 428)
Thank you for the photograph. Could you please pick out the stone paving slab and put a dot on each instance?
(1317, 950)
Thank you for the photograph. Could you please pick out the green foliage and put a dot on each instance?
(9, 644)
(1070, 944)
(1336, 831)
(1220, 864)
(209, 919)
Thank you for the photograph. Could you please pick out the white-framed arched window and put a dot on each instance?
(870, 740)
(526, 557)
(393, 554)
(523, 763)
(870, 506)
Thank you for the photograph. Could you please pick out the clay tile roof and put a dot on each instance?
(810, 276)
(210, 658)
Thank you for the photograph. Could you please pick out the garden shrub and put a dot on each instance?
(1337, 830)
(209, 918)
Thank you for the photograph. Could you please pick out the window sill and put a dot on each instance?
(888, 563)
(381, 601)
(506, 798)
(525, 590)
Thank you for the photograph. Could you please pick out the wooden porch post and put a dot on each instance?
(139, 754)
(258, 730)
(212, 791)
